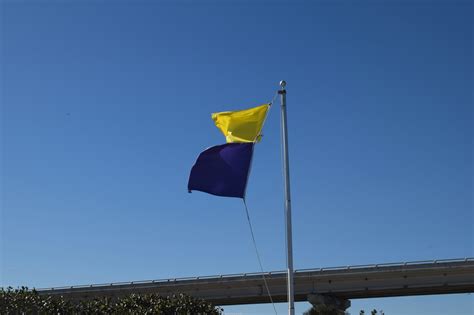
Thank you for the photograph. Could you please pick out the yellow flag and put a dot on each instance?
(242, 125)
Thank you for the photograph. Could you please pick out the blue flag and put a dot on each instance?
(222, 170)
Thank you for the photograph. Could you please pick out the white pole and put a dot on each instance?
(286, 169)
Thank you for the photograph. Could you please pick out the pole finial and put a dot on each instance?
(283, 84)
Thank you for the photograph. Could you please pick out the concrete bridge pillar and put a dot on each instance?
(330, 301)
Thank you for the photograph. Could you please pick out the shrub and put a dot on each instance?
(23, 301)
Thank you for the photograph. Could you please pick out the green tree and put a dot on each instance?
(324, 310)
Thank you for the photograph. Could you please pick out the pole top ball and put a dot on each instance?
(283, 84)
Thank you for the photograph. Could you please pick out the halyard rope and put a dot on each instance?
(258, 256)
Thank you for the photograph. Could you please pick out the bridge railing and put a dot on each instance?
(253, 274)
(395, 264)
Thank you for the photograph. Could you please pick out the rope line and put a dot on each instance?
(259, 133)
(258, 255)
(274, 98)
(247, 210)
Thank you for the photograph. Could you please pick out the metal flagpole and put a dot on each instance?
(286, 169)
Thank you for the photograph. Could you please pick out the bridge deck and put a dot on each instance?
(351, 282)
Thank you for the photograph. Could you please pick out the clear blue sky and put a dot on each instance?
(105, 106)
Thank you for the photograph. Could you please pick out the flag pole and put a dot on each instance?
(286, 169)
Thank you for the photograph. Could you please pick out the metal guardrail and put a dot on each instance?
(253, 274)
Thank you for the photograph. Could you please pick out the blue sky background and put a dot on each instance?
(106, 104)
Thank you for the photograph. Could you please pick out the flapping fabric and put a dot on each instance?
(243, 125)
(222, 170)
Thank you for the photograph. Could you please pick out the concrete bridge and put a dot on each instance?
(335, 285)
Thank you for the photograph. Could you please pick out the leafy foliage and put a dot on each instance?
(373, 312)
(324, 310)
(24, 301)
(331, 310)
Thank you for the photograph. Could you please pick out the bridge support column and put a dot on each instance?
(318, 300)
